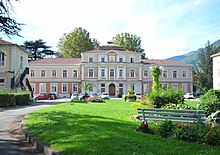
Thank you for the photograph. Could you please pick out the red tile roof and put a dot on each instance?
(3, 42)
(57, 61)
(163, 62)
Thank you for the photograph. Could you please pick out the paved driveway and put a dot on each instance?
(8, 142)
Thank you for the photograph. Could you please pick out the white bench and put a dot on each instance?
(175, 115)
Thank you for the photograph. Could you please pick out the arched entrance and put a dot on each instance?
(112, 89)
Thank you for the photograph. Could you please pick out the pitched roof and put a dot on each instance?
(163, 62)
(106, 51)
(57, 61)
(3, 42)
(215, 55)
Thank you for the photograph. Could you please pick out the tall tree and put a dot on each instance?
(8, 25)
(128, 42)
(71, 45)
(37, 49)
(204, 71)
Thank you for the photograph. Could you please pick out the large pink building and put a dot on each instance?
(110, 69)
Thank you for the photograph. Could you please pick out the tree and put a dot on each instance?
(37, 49)
(71, 45)
(204, 71)
(8, 25)
(128, 42)
(85, 86)
(156, 71)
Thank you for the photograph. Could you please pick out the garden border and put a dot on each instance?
(40, 146)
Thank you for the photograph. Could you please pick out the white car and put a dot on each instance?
(74, 97)
(105, 95)
(138, 95)
(189, 96)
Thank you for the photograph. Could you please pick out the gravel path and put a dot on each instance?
(11, 139)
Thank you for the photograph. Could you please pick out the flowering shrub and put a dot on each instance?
(179, 106)
(144, 128)
(212, 137)
(166, 129)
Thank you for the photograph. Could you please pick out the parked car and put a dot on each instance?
(74, 97)
(95, 95)
(53, 95)
(105, 95)
(189, 96)
(83, 96)
(44, 97)
(138, 95)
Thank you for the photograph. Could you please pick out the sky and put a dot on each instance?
(166, 27)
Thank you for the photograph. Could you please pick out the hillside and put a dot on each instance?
(191, 57)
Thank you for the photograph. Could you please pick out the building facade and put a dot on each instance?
(109, 69)
(216, 71)
(13, 62)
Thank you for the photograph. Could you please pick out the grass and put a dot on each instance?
(103, 128)
(192, 103)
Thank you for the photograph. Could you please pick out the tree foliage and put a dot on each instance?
(85, 86)
(128, 42)
(37, 49)
(203, 73)
(156, 71)
(8, 25)
(71, 45)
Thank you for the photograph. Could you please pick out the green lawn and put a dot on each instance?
(103, 128)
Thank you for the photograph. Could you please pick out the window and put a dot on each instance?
(184, 74)
(53, 87)
(90, 59)
(102, 72)
(146, 73)
(75, 74)
(132, 73)
(175, 86)
(131, 60)
(174, 74)
(165, 74)
(2, 83)
(111, 58)
(184, 88)
(121, 85)
(2, 59)
(91, 72)
(146, 88)
(64, 87)
(120, 72)
(132, 86)
(165, 86)
(102, 59)
(64, 73)
(54, 74)
(120, 59)
(102, 85)
(75, 87)
(112, 73)
(21, 61)
(42, 87)
(43, 73)
(32, 73)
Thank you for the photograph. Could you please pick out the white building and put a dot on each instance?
(216, 70)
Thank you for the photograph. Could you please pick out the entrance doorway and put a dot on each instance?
(112, 89)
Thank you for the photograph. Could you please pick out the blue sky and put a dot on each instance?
(166, 27)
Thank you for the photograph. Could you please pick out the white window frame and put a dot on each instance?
(101, 71)
(90, 57)
(121, 74)
(165, 75)
(32, 73)
(146, 88)
(146, 71)
(101, 58)
(64, 74)
(110, 69)
(2, 59)
(2, 85)
(41, 73)
(76, 86)
(175, 86)
(52, 73)
(176, 74)
(132, 86)
(121, 57)
(42, 85)
(75, 74)
(185, 74)
(184, 86)
(89, 72)
(64, 85)
(55, 85)
(132, 73)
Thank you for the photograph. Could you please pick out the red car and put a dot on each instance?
(44, 97)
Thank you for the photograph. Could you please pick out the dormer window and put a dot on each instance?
(90, 59)
(102, 59)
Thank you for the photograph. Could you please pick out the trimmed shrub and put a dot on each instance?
(7, 100)
(22, 99)
(179, 106)
(210, 102)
